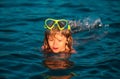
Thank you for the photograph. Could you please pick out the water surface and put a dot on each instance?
(22, 33)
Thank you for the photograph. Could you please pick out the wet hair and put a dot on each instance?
(53, 32)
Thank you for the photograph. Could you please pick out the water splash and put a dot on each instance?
(86, 24)
(89, 29)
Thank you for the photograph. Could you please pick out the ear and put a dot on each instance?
(66, 43)
(67, 48)
(68, 39)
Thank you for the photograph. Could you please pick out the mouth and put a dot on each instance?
(55, 48)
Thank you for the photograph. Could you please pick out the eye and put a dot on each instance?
(50, 39)
(59, 40)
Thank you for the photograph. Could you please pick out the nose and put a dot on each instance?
(55, 43)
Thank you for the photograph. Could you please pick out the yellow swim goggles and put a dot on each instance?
(61, 24)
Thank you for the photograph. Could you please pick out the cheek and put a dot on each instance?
(63, 44)
(50, 43)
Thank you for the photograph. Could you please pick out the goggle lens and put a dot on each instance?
(62, 24)
(50, 23)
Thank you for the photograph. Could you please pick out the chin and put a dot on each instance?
(56, 51)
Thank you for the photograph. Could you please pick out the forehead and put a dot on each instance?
(56, 35)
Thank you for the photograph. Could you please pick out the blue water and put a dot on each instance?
(22, 33)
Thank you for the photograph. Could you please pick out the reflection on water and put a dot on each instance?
(59, 66)
(66, 75)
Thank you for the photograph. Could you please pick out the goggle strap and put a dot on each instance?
(69, 28)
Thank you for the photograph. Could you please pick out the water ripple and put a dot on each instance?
(22, 34)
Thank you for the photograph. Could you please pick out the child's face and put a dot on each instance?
(57, 43)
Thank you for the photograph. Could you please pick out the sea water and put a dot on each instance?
(21, 37)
